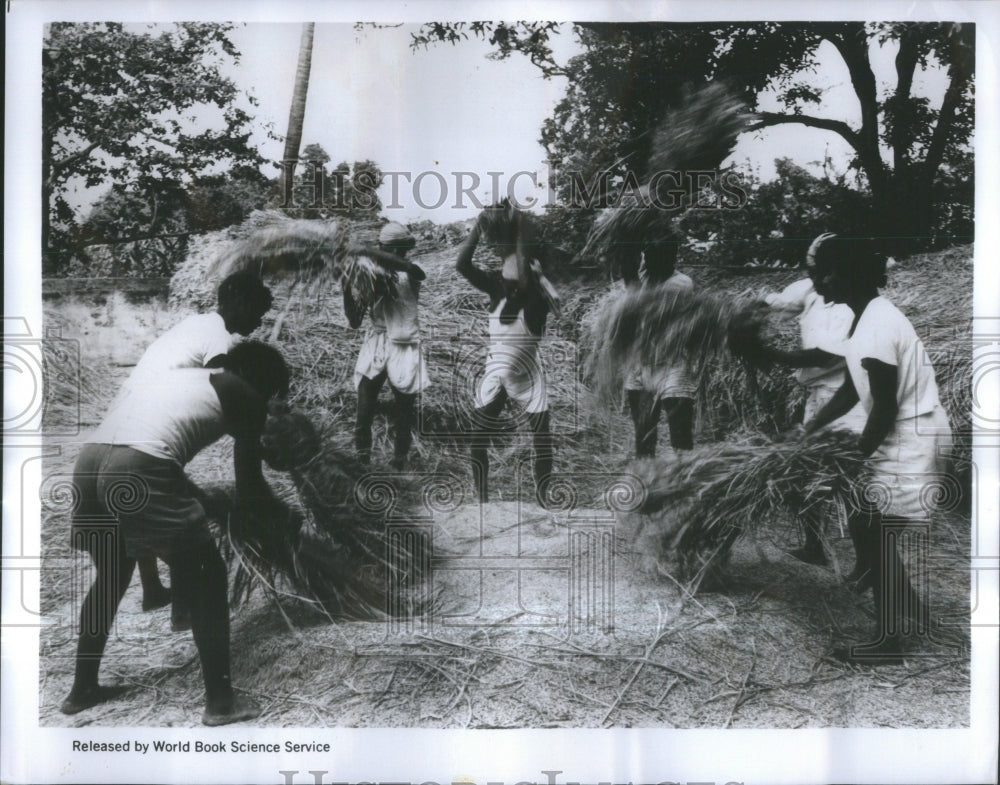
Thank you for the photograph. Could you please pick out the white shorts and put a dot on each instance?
(910, 467)
(674, 382)
(521, 377)
(403, 363)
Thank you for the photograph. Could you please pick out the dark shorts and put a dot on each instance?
(145, 501)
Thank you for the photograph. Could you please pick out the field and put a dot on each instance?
(536, 630)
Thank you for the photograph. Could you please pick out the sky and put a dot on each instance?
(432, 112)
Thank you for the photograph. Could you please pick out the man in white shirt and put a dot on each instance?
(904, 438)
(198, 341)
(135, 502)
(520, 302)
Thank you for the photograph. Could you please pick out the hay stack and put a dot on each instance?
(699, 502)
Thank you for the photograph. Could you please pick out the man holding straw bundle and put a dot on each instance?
(199, 341)
(135, 502)
(824, 327)
(670, 389)
(904, 435)
(520, 300)
(391, 348)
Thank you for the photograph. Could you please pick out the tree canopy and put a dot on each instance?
(629, 75)
(144, 111)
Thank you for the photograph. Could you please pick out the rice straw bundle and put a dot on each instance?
(505, 225)
(366, 274)
(499, 223)
(695, 136)
(338, 557)
(267, 538)
(700, 133)
(308, 250)
(620, 233)
(657, 326)
(699, 502)
(283, 246)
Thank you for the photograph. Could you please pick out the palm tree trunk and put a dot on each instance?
(297, 113)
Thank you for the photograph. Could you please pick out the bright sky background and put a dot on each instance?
(449, 108)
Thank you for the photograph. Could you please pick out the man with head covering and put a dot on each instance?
(824, 327)
(391, 348)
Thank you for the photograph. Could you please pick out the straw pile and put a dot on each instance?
(337, 553)
(699, 502)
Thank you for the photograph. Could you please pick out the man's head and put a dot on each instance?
(661, 259)
(259, 365)
(842, 267)
(395, 238)
(243, 301)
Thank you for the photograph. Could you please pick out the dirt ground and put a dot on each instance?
(546, 618)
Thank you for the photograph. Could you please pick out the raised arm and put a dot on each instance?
(467, 269)
(523, 243)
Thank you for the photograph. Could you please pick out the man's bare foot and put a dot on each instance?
(78, 701)
(242, 709)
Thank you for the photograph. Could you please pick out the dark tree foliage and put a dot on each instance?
(117, 108)
(322, 191)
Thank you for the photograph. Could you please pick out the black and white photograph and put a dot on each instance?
(426, 393)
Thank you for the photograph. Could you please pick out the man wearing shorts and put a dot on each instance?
(135, 502)
(518, 311)
(390, 351)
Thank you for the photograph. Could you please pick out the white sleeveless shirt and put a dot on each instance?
(172, 417)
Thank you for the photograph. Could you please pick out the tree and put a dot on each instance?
(779, 219)
(340, 191)
(629, 75)
(116, 109)
(297, 112)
